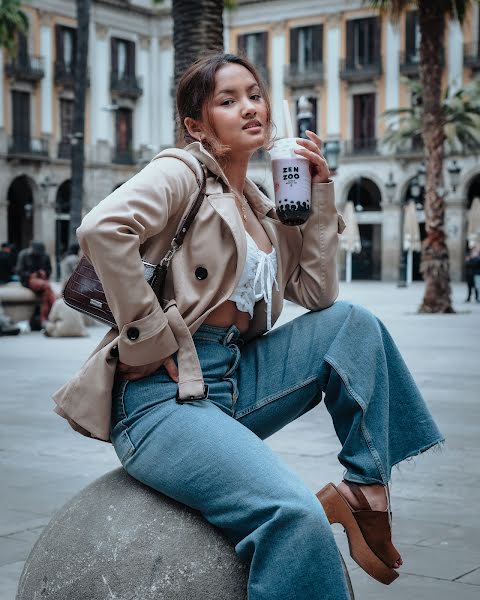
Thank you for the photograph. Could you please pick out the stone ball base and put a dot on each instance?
(119, 540)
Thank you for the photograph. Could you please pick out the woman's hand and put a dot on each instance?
(133, 373)
(311, 150)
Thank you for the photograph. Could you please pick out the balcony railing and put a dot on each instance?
(354, 70)
(65, 74)
(64, 149)
(28, 68)
(410, 63)
(28, 146)
(127, 86)
(123, 157)
(310, 74)
(360, 146)
(471, 56)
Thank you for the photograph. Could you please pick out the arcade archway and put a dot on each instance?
(20, 212)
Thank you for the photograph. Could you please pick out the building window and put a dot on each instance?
(363, 42)
(255, 47)
(66, 46)
(66, 128)
(124, 135)
(412, 38)
(123, 58)
(363, 122)
(21, 121)
(306, 44)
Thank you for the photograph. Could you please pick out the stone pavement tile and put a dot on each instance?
(9, 577)
(438, 562)
(410, 587)
(13, 521)
(12, 549)
(413, 531)
(472, 578)
(465, 539)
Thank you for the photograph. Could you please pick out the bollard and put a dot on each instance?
(120, 540)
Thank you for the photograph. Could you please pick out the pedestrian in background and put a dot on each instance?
(472, 273)
(7, 263)
(69, 262)
(63, 321)
(34, 269)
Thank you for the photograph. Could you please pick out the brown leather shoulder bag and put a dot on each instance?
(84, 291)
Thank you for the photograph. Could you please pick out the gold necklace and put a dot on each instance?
(243, 205)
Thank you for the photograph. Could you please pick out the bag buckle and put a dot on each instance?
(169, 255)
(192, 398)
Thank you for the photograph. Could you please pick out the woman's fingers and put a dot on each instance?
(171, 367)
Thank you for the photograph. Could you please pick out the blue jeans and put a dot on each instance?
(209, 454)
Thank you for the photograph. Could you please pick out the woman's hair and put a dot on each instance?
(195, 93)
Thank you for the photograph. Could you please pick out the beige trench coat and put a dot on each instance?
(139, 219)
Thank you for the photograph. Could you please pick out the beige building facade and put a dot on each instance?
(340, 64)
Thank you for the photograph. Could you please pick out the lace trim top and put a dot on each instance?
(256, 281)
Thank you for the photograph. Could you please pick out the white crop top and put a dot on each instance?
(256, 281)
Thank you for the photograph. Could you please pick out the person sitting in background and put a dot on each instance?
(69, 263)
(34, 269)
(7, 263)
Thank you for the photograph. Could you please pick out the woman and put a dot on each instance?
(189, 414)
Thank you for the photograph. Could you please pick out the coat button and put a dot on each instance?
(201, 273)
(114, 351)
(133, 333)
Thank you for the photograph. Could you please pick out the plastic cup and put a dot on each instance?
(292, 182)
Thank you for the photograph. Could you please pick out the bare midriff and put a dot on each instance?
(228, 314)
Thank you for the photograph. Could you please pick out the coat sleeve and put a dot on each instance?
(314, 281)
(111, 235)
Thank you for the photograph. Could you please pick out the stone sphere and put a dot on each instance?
(119, 540)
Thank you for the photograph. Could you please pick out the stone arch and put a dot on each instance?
(365, 194)
(344, 189)
(20, 211)
(472, 189)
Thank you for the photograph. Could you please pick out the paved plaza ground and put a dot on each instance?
(436, 497)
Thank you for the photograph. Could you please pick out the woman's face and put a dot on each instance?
(238, 111)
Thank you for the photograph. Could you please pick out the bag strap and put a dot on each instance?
(186, 223)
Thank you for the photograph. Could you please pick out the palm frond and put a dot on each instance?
(394, 8)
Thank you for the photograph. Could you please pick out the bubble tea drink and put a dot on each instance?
(292, 182)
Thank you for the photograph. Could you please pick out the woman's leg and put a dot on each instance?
(344, 351)
(199, 455)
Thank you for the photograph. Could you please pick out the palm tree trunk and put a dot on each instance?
(78, 141)
(197, 28)
(435, 260)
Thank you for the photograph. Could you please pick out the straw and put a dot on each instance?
(288, 119)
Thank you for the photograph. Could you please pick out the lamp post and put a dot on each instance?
(416, 190)
(331, 152)
(454, 171)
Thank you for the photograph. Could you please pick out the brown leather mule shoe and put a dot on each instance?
(368, 532)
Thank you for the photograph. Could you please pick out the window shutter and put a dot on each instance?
(369, 116)
(317, 45)
(294, 46)
(114, 55)
(377, 40)
(74, 49)
(410, 25)
(264, 48)
(59, 43)
(131, 59)
(350, 43)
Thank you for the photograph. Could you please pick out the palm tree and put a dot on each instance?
(435, 260)
(78, 141)
(197, 28)
(12, 22)
(461, 119)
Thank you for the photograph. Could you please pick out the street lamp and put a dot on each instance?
(331, 152)
(304, 116)
(390, 188)
(454, 171)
